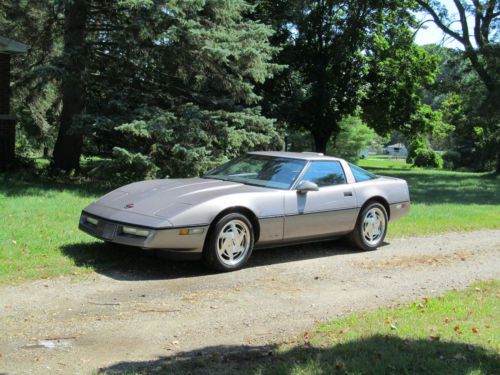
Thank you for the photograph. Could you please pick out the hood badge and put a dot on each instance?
(130, 205)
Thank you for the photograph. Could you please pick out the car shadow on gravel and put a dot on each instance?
(128, 263)
(374, 355)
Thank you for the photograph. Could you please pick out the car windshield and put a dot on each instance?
(260, 170)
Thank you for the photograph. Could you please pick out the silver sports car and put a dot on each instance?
(261, 199)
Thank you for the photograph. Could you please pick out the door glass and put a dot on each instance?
(325, 173)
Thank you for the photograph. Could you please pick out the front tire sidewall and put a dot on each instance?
(210, 254)
(357, 235)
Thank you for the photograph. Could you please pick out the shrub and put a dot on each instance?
(416, 144)
(425, 157)
(125, 167)
(353, 138)
(451, 159)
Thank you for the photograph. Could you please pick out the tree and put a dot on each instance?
(68, 147)
(463, 99)
(484, 56)
(353, 138)
(397, 73)
(170, 81)
(174, 82)
(35, 95)
(331, 48)
(479, 129)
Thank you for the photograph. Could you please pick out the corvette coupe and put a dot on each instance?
(261, 199)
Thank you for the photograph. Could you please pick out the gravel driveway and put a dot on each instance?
(68, 326)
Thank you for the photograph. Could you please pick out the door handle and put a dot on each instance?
(347, 193)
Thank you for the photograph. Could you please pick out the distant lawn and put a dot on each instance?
(383, 161)
(39, 236)
(442, 201)
(458, 333)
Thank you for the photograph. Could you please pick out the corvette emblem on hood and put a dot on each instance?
(130, 205)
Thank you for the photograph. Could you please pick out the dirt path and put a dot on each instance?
(117, 318)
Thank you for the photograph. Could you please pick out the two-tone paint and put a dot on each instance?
(164, 207)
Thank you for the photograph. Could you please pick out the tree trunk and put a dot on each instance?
(320, 142)
(498, 164)
(68, 147)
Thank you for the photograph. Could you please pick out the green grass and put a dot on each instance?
(38, 220)
(39, 236)
(383, 161)
(442, 201)
(458, 333)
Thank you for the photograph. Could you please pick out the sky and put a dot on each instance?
(431, 34)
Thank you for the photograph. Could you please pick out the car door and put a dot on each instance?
(328, 211)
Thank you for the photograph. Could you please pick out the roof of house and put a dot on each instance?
(396, 145)
(11, 46)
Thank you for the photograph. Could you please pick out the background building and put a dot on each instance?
(8, 48)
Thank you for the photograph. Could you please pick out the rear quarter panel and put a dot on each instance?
(393, 190)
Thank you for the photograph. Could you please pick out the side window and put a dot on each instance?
(325, 173)
(360, 174)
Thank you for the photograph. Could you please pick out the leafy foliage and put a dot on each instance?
(425, 157)
(399, 70)
(192, 96)
(421, 155)
(182, 83)
(353, 138)
(463, 100)
(125, 167)
(35, 93)
(172, 81)
(342, 56)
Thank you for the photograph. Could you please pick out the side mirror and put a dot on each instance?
(304, 186)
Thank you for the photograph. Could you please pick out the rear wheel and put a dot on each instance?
(230, 243)
(371, 227)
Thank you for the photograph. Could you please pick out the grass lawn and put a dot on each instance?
(39, 236)
(458, 333)
(38, 220)
(442, 201)
(383, 162)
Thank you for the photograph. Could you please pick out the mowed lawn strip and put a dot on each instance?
(39, 237)
(38, 220)
(457, 333)
(442, 201)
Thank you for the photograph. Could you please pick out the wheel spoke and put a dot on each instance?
(232, 242)
(373, 226)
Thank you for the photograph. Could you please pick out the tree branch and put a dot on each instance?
(488, 17)
(463, 23)
(439, 22)
(478, 36)
(471, 53)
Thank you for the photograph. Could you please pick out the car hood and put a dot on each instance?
(164, 198)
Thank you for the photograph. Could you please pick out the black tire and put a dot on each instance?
(357, 236)
(211, 255)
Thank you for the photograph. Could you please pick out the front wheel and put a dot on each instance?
(371, 227)
(230, 243)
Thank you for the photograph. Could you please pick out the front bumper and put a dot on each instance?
(164, 238)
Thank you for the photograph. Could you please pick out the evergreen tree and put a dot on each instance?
(174, 82)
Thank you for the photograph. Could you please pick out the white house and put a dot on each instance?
(397, 149)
